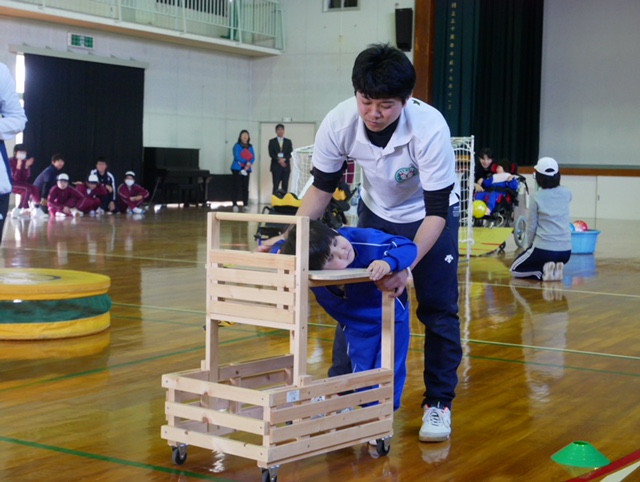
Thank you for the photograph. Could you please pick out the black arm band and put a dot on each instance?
(327, 181)
(437, 202)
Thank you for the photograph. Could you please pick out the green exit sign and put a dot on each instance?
(82, 41)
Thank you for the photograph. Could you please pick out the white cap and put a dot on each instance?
(547, 166)
(63, 177)
(130, 173)
(93, 178)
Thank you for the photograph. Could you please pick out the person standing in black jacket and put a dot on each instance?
(280, 149)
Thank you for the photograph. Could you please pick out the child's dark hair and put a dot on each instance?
(57, 157)
(505, 164)
(485, 151)
(321, 238)
(545, 181)
(383, 72)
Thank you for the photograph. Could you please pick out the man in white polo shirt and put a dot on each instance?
(409, 188)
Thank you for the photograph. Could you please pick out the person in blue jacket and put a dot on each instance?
(357, 307)
(243, 159)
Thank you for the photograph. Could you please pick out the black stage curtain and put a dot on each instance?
(454, 73)
(84, 110)
(503, 70)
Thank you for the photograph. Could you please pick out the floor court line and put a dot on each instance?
(421, 335)
(536, 286)
(103, 458)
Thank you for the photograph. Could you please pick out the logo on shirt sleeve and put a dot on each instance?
(405, 173)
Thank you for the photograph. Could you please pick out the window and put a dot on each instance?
(335, 5)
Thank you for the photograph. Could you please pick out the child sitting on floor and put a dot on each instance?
(64, 199)
(131, 195)
(92, 191)
(548, 233)
(357, 307)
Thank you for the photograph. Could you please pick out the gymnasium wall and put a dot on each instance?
(197, 98)
(194, 98)
(314, 73)
(590, 90)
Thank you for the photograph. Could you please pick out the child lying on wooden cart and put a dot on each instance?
(357, 307)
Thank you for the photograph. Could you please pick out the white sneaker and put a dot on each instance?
(137, 211)
(16, 212)
(235, 209)
(548, 271)
(92, 213)
(75, 213)
(558, 273)
(436, 425)
(60, 215)
(99, 211)
(38, 213)
(245, 209)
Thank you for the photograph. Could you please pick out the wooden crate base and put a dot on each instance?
(273, 422)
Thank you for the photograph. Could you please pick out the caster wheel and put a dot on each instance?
(268, 477)
(383, 447)
(179, 455)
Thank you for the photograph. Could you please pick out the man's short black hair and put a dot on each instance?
(545, 181)
(383, 72)
(19, 147)
(279, 126)
(102, 159)
(321, 238)
(57, 157)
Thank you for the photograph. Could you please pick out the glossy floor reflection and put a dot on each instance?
(545, 364)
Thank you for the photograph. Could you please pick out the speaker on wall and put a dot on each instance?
(404, 28)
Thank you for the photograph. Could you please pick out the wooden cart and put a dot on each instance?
(270, 410)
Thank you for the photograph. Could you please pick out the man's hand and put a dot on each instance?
(394, 283)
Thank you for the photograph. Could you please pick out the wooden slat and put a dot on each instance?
(216, 390)
(214, 417)
(255, 278)
(251, 259)
(330, 422)
(265, 381)
(254, 367)
(233, 311)
(212, 442)
(321, 444)
(310, 409)
(250, 217)
(255, 295)
(339, 384)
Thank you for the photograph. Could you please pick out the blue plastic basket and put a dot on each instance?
(584, 242)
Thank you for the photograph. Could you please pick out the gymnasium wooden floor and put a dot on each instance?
(544, 365)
